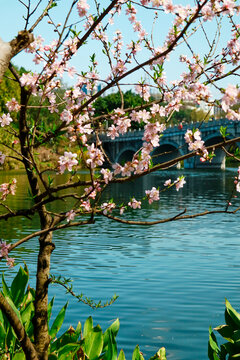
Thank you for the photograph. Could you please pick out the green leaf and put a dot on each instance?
(5, 289)
(56, 326)
(111, 353)
(9, 300)
(213, 348)
(10, 339)
(137, 354)
(19, 356)
(223, 131)
(114, 327)
(67, 351)
(78, 329)
(121, 355)
(225, 331)
(93, 343)
(2, 336)
(236, 336)
(49, 310)
(231, 316)
(88, 326)
(27, 314)
(160, 354)
(19, 284)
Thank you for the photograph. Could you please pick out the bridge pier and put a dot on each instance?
(189, 163)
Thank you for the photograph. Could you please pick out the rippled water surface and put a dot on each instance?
(171, 278)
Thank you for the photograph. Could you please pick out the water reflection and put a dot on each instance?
(171, 278)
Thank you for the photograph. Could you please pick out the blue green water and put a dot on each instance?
(171, 278)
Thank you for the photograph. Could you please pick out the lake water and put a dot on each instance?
(171, 278)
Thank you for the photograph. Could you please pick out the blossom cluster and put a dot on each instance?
(152, 195)
(67, 161)
(8, 189)
(96, 157)
(78, 119)
(4, 249)
(5, 120)
(179, 182)
(13, 105)
(195, 143)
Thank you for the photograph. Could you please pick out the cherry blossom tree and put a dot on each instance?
(135, 56)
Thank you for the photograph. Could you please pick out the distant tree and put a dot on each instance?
(106, 104)
(113, 101)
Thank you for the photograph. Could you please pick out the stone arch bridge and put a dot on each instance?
(172, 143)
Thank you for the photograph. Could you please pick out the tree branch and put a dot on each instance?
(14, 321)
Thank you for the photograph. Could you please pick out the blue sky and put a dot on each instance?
(11, 21)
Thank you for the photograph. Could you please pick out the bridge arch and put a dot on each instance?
(166, 151)
(219, 160)
(125, 154)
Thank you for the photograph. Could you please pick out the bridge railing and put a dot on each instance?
(137, 133)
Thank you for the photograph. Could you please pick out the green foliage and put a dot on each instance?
(223, 131)
(66, 283)
(106, 104)
(21, 301)
(91, 343)
(231, 332)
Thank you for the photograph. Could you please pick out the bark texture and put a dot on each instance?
(9, 49)
(41, 335)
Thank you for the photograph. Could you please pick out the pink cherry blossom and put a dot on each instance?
(180, 182)
(168, 182)
(67, 161)
(95, 156)
(107, 175)
(143, 91)
(82, 7)
(70, 215)
(152, 195)
(117, 169)
(107, 207)
(8, 189)
(66, 116)
(86, 205)
(13, 105)
(5, 120)
(112, 132)
(4, 250)
(10, 262)
(134, 204)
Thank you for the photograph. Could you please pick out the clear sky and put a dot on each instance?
(11, 21)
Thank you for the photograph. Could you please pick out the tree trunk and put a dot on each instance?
(41, 302)
(41, 336)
